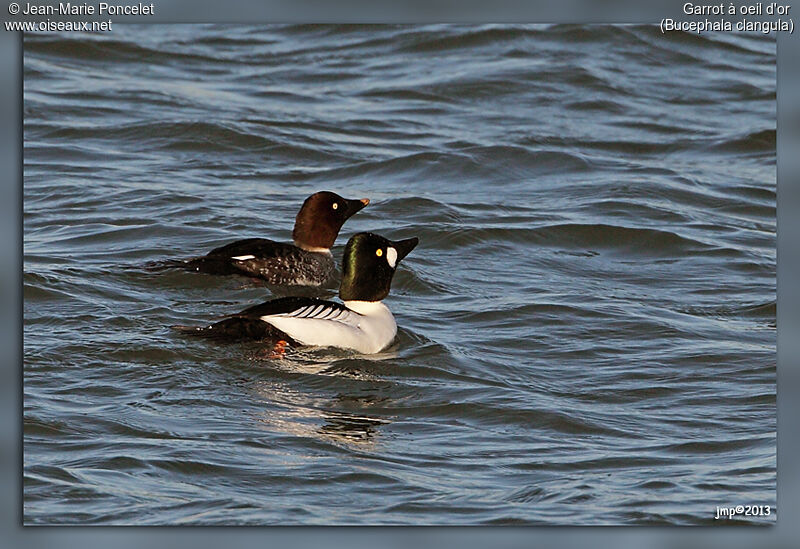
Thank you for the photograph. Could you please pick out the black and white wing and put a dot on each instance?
(311, 321)
(308, 308)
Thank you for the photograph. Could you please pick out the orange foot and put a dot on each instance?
(278, 350)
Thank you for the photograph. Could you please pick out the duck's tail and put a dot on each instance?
(204, 264)
(237, 329)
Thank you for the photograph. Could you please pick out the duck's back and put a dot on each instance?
(277, 263)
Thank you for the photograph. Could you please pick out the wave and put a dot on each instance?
(634, 241)
(110, 51)
(761, 141)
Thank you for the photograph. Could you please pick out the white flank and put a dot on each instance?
(243, 257)
(391, 257)
(367, 327)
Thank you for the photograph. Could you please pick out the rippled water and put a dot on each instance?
(587, 328)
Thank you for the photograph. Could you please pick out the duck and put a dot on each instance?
(306, 262)
(361, 322)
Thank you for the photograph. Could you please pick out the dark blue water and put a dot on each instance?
(587, 328)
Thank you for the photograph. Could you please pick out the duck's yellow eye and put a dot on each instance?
(379, 252)
(335, 206)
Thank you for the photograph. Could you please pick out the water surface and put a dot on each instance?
(587, 328)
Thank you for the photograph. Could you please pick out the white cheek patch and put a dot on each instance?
(391, 257)
(243, 257)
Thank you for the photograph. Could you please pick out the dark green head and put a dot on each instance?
(369, 264)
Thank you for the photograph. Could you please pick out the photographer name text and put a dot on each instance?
(103, 8)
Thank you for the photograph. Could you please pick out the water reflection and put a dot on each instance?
(340, 419)
(357, 429)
